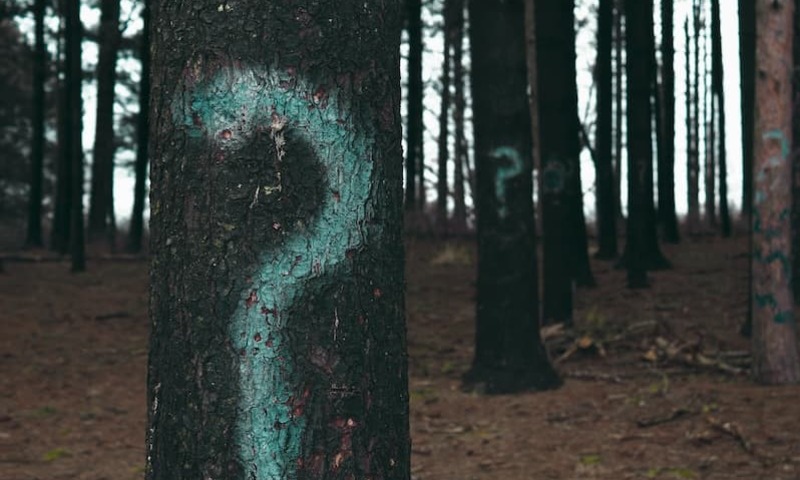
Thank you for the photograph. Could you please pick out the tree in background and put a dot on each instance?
(34, 234)
(415, 159)
(775, 357)
(747, 72)
(102, 222)
(667, 216)
(136, 231)
(61, 226)
(606, 204)
(693, 124)
(278, 334)
(719, 94)
(73, 120)
(509, 355)
(442, 189)
(459, 224)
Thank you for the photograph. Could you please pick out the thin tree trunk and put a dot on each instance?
(415, 198)
(136, 233)
(747, 72)
(606, 205)
(693, 167)
(444, 121)
(775, 357)
(619, 36)
(278, 341)
(668, 217)
(73, 119)
(709, 114)
(34, 235)
(509, 355)
(101, 198)
(719, 91)
(60, 230)
(460, 154)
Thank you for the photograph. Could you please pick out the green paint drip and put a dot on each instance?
(269, 432)
(514, 166)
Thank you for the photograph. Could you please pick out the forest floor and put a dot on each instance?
(655, 382)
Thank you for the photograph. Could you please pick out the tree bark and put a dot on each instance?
(34, 234)
(278, 336)
(509, 355)
(136, 233)
(605, 206)
(101, 223)
(415, 195)
(719, 92)
(747, 71)
(693, 166)
(460, 154)
(60, 231)
(74, 127)
(667, 215)
(775, 358)
(709, 119)
(619, 114)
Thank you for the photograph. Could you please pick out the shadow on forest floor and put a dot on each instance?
(654, 378)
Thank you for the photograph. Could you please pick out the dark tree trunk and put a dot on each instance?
(34, 235)
(60, 232)
(415, 155)
(667, 215)
(796, 158)
(136, 232)
(747, 71)
(278, 340)
(509, 355)
(74, 122)
(638, 33)
(719, 92)
(460, 154)
(559, 148)
(775, 357)
(444, 121)
(101, 199)
(606, 204)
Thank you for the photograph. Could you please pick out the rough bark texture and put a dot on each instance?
(747, 71)
(459, 224)
(415, 197)
(34, 235)
(101, 223)
(509, 355)
(136, 232)
(606, 214)
(796, 158)
(74, 121)
(775, 357)
(667, 216)
(278, 339)
(719, 93)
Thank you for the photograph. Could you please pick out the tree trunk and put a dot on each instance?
(278, 336)
(775, 358)
(619, 37)
(101, 199)
(709, 114)
(60, 231)
(693, 166)
(667, 215)
(460, 154)
(444, 121)
(606, 214)
(640, 155)
(747, 71)
(796, 158)
(415, 160)
(34, 235)
(509, 355)
(74, 121)
(137, 216)
(719, 92)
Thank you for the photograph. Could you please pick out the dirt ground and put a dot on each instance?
(655, 380)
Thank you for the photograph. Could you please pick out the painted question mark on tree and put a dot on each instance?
(234, 109)
(513, 166)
